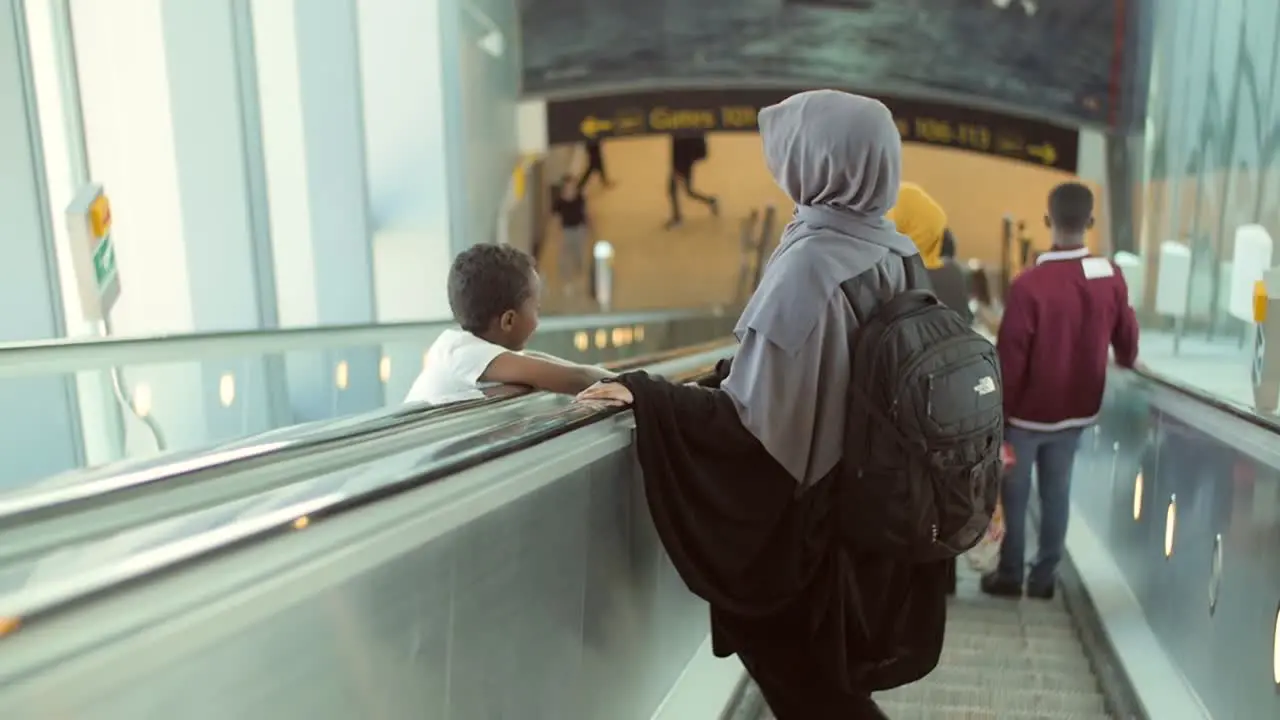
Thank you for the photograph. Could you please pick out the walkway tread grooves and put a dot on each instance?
(1002, 660)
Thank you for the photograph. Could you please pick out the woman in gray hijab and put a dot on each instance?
(738, 475)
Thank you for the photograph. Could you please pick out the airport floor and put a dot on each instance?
(694, 264)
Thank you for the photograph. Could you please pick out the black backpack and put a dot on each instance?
(921, 469)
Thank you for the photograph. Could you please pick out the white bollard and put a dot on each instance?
(602, 253)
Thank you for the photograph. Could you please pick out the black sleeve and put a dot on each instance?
(715, 494)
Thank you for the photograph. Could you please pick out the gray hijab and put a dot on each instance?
(839, 158)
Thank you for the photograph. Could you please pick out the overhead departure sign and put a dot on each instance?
(690, 111)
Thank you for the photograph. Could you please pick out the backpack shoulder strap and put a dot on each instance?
(867, 294)
(917, 274)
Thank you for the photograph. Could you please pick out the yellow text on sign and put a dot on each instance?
(593, 126)
(966, 135)
(738, 116)
(665, 119)
(1045, 153)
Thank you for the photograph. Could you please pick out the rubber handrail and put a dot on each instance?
(97, 485)
(1270, 424)
(63, 355)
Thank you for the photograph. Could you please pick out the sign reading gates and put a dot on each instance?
(688, 111)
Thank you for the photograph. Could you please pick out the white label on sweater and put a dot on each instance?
(1095, 268)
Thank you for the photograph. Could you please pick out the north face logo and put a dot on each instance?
(985, 386)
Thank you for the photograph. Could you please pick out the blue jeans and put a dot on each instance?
(1053, 455)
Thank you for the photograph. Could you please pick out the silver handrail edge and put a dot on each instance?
(107, 481)
(79, 354)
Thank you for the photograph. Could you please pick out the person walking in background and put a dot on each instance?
(948, 245)
(686, 152)
(987, 309)
(570, 205)
(1062, 318)
(595, 166)
(919, 217)
(951, 281)
(1024, 247)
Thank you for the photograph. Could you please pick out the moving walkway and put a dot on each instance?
(496, 560)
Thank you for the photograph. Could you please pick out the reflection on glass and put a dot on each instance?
(1215, 573)
(342, 375)
(622, 336)
(1275, 651)
(1137, 497)
(142, 400)
(384, 369)
(580, 341)
(602, 339)
(227, 389)
(1170, 526)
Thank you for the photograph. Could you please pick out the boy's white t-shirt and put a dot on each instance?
(452, 369)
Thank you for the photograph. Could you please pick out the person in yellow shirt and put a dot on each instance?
(921, 218)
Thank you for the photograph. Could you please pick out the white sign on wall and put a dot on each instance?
(93, 254)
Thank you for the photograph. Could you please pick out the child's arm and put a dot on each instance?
(548, 358)
(553, 375)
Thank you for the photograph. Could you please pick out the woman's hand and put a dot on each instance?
(610, 392)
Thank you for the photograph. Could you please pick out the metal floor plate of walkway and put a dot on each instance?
(1002, 660)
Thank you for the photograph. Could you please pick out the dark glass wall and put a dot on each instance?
(1061, 60)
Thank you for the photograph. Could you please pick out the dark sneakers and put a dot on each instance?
(993, 584)
(1043, 592)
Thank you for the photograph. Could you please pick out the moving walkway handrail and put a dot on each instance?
(1270, 424)
(277, 445)
(54, 593)
(47, 357)
(105, 483)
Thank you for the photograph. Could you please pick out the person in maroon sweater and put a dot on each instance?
(1062, 317)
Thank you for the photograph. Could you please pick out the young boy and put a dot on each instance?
(493, 293)
(1063, 317)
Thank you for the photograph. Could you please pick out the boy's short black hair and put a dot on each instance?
(1071, 207)
(948, 244)
(486, 281)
